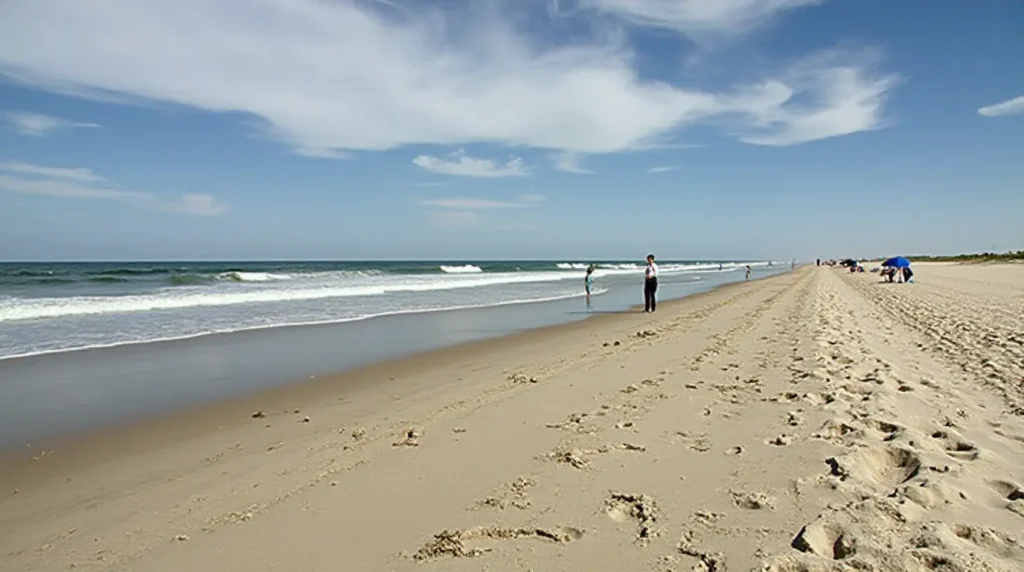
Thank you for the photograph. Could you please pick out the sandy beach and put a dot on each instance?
(814, 421)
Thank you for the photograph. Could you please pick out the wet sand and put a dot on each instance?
(811, 421)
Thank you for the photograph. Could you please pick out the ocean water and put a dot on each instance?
(59, 307)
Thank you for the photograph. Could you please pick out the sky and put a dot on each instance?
(523, 129)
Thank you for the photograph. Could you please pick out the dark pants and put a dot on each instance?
(650, 287)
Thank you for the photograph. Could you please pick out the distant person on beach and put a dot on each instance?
(588, 282)
(748, 273)
(719, 267)
(650, 284)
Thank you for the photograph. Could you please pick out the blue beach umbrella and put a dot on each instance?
(898, 262)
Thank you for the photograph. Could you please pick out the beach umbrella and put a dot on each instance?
(897, 262)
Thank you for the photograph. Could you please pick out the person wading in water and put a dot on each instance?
(650, 284)
(588, 282)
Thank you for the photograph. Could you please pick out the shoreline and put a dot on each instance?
(49, 395)
(755, 426)
(201, 417)
(288, 325)
(115, 316)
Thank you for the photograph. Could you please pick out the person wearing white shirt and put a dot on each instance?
(650, 284)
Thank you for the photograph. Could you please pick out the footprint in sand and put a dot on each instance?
(575, 423)
(782, 440)
(641, 508)
(514, 495)
(752, 500)
(825, 539)
(955, 446)
(706, 561)
(575, 458)
(886, 467)
(697, 442)
(889, 431)
(838, 431)
(1012, 493)
(453, 543)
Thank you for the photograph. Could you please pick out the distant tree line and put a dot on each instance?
(982, 257)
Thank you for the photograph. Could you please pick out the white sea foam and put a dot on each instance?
(39, 308)
(252, 276)
(262, 287)
(464, 269)
(361, 317)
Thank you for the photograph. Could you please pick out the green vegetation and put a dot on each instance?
(983, 257)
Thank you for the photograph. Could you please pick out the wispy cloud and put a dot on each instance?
(696, 17)
(570, 162)
(39, 125)
(829, 94)
(458, 163)
(83, 184)
(81, 175)
(465, 211)
(322, 153)
(483, 204)
(665, 169)
(469, 211)
(1008, 107)
(435, 77)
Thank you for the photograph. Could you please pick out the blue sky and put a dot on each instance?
(223, 129)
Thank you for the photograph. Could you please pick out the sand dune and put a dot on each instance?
(813, 421)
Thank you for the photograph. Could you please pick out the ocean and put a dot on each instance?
(60, 307)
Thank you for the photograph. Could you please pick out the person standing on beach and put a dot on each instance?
(748, 272)
(588, 282)
(650, 284)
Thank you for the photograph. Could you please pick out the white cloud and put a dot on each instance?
(82, 175)
(471, 204)
(83, 184)
(469, 212)
(694, 17)
(39, 125)
(1008, 107)
(570, 163)
(665, 169)
(330, 77)
(322, 153)
(458, 163)
(827, 95)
